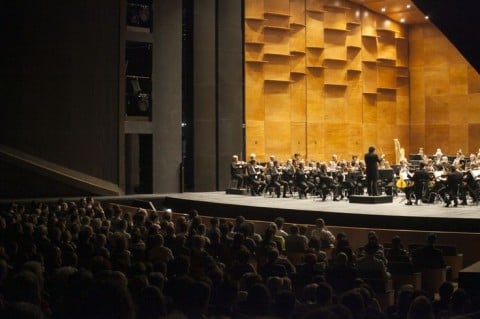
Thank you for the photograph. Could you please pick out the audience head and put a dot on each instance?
(421, 308)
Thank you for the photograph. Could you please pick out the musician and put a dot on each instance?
(473, 161)
(237, 171)
(332, 166)
(458, 158)
(283, 183)
(257, 185)
(301, 180)
(327, 183)
(372, 160)
(272, 177)
(470, 185)
(430, 168)
(288, 177)
(454, 181)
(416, 182)
(437, 157)
(354, 161)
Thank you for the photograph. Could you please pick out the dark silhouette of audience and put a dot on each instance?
(79, 260)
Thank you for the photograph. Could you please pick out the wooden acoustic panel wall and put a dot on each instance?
(444, 94)
(323, 77)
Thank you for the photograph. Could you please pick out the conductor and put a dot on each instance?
(371, 161)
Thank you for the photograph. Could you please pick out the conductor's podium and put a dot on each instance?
(365, 199)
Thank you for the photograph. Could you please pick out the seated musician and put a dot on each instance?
(417, 181)
(458, 158)
(449, 194)
(288, 177)
(257, 185)
(354, 161)
(301, 180)
(470, 185)
(283, 183)
(437, 157)
(332, 165)
(237, 171)
(327, 183)
(272, 177)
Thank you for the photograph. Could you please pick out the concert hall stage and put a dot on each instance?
(396, 215)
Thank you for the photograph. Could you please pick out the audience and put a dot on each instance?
(80, 260)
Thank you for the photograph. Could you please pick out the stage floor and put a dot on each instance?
(394, 215)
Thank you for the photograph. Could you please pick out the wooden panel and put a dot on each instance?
(439, 135)
(315, 141)
(253, 9)
(335, 18)
(297, 39)
(276, 42)
(354, 111)
(473, 134)
(297, 11)
(354, 140)
(277, 68)
(314, 25)
(402, 52)
(369, 108)
(473, 108)
(385, 135)
(335, 45)
(315, 5)
(368, 24)
(436, 81)
(458, 138)
(369, 51)
(417, 138)
(314, 57)
(255, 138)
(369, 138)
(369, 78)
(335, 104)
(277, 101)
(336, 139)
(473, 81)
(277, 139)
(297, 63)
(277, 6)
(437, 111)
(253, 52)
(403, 86)
(254, 98)
(387, 45)
(298, 100)
(315, 98)
(403, 110)
(458, 76)
(354, 36)
(253, 31)
(299, 138)
(335, 72)
(435, 50)
(386, 109)
(387, 77)
(458, 109)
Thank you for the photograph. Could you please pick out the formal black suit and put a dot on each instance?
(454, 181)
(371, 161)
(419, 178)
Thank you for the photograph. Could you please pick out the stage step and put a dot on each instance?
(365, 199)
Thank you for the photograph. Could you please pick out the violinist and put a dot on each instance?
(237, 171)
(458, 158)
(283, 183)
(257, 185)
(418, 180)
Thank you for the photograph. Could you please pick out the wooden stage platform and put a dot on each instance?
(395, 215)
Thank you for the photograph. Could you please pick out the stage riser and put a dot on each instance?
(359, 199)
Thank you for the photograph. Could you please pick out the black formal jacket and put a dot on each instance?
(371, 161)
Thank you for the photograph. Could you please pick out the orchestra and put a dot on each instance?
(430, 179)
